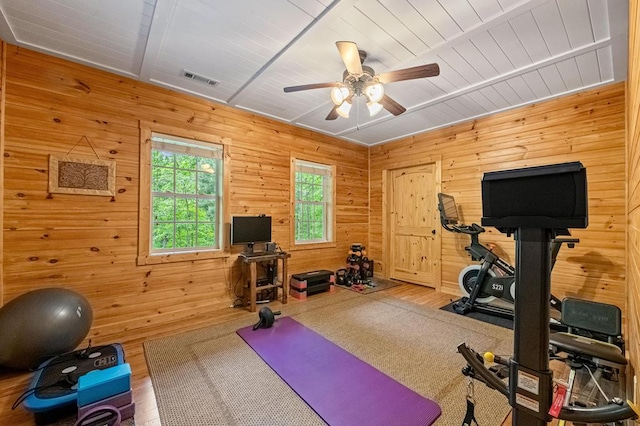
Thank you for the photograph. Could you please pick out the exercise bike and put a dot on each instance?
(534, 205)
(593, 391)
(493, 277)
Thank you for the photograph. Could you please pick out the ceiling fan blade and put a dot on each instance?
(350, 56)
(392, 106)
(308, 87)
(333, 114)
(421, 71)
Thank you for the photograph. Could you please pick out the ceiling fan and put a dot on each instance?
(361, 80)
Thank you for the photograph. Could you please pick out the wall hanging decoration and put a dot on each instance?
(74, 175)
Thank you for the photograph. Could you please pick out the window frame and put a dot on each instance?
(330, 221)
(145, 256)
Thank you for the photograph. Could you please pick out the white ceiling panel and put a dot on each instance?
(486, 9)
(411, 123)
(438, 17)
(553, 79)
(536, 84)
(575, 16)
(475, 58)
(378, 13)
(311, 7)
(364, 25)
(471, 104)
(410, 17)
(445, 109)
(605, 63)
(492, 54)
(550, 24)
(570, 74)
(461, 66)
(522, 89)
(95, 32)
(495, 97)
(484, 102)
(463, 13)
(507, 92)
(508, 4)
(599, 18)
(510, 45)
(589, 70)
(463, 109)
(238, 38)
(527, 30)
(454, 76)
(433, 117)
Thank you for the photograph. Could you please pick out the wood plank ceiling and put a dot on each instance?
(493, 54)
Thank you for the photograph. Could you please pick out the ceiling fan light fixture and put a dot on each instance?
(374, 108)
(374, 92)
(361, 80)
(343, 109)
(339, 94)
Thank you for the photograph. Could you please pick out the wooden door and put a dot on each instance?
(414, 252)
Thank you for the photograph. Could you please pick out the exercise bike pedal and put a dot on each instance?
(462, 307)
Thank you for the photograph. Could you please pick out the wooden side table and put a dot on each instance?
(250, 262)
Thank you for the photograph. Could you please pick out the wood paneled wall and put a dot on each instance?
(89, 243)
(633, 189)
(587, 127)
(3, 51)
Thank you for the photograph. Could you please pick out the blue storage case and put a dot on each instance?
(101, 384)
(55, 381)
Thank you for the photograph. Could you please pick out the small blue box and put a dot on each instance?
(97, 385)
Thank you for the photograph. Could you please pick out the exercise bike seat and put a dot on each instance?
(592, 350)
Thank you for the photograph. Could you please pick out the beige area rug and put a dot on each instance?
(211, 376)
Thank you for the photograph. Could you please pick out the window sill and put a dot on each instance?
(181, 257)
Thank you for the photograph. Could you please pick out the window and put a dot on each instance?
(181, 197)
(313, 202)
(185, 195)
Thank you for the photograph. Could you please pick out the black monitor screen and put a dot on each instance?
(250, 229)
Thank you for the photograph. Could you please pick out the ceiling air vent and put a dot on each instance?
(199, 78)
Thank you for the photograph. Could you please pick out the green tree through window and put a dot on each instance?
(185, 194)
(313, 207)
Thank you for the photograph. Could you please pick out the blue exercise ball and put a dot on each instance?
(40, 324)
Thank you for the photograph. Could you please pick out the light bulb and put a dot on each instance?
(374, 108)
(339, 94)
(374, 92)
(343, 110)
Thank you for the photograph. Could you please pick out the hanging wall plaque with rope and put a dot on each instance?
(88, 176)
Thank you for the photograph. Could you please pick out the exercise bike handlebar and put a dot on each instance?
(490, 379)
(473, 229)
(616, 410)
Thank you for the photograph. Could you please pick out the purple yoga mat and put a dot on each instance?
(341, 388)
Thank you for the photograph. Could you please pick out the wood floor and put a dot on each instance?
(12, 384)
